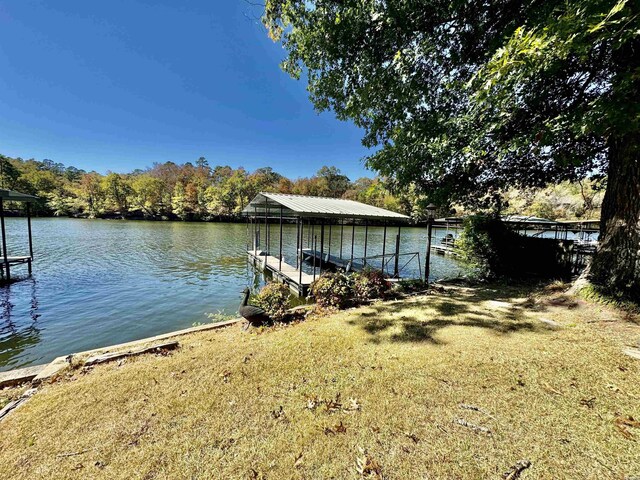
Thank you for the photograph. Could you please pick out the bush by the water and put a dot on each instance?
(332, 290)
(337, 290)
(498, 251)
(369, 284)
(275, 299)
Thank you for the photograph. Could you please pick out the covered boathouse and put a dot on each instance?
(6, 261)
(313, 221)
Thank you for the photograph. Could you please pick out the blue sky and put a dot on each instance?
(118, 85)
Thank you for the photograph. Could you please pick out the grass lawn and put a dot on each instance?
(459, 384)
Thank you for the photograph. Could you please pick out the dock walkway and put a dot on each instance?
(297, 281)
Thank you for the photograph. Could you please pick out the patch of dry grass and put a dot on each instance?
(462, 384)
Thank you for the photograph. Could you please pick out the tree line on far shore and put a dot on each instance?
(199, 191)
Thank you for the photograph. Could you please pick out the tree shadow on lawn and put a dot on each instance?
(462, 310)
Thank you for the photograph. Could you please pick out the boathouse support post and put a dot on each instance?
(427, 259)
(353, 236)
(321, 247)
(312, 244)
(249, 234)
(384, 243)
(256, 232)
(4, 241)
(366, 239)
(298, 246)
(30, 236)
(329, 250)
(266, 233)
(315, 246)
(280, 246)
(300, 258)
(341, 235)
(396, 262)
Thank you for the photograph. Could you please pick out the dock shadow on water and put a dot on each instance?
(420, 320)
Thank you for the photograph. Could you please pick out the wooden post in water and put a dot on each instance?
(366, 239)
(248, 233)
(384, 243)
(30, 236)
(4, 241)
(321, 246)
(315, 245)
(353, 236)
(427, 259)
(297, 242)
(256, 228)
(396, 273)
(341, 235)
(329, 251)
(300, 254)
(280, 264)
(266, 232)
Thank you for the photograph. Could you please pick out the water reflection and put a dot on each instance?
(17, 333)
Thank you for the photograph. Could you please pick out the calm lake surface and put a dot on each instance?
(100, 282)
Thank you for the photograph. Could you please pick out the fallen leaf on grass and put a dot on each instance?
(588, 402)
(333, 405)
(279, 414)
(367, 467)
(298, 461)
(412, 436)
(353, 405)
(338, 428)
(624, 423)
(225, 376)
(515, 471)
(312, 403)
(550, 389)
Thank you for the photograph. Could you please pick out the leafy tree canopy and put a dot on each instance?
(466, 98)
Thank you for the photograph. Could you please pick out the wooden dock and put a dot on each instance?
(297, 281)
(444, 249)
(7, 262)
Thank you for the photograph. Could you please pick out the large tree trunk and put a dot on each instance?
(616, 266)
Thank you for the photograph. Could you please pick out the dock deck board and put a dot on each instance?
(15, 259)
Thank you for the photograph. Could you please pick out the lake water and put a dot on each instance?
(101, 282)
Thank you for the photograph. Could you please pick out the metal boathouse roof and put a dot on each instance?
(12, 195)
(306, 206)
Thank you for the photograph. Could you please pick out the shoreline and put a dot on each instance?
(46, 371)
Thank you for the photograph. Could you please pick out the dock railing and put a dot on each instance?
(390, 264)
